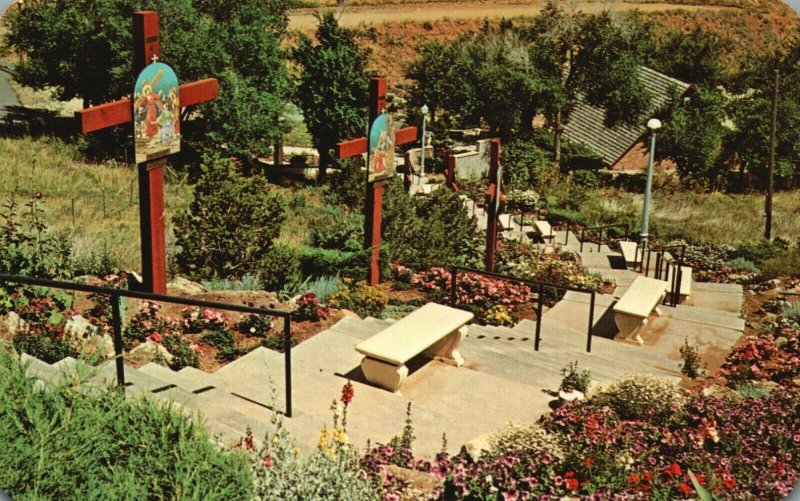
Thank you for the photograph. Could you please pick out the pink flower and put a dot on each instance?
(155, 337)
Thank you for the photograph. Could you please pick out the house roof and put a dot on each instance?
(585, 123)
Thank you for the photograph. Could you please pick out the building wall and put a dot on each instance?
(636, 159)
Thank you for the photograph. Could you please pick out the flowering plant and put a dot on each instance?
(148, 324)
(309, 308)
(255, 325)
(196, 320)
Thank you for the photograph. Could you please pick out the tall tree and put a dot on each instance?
(332, 89)
(83, 49)
(592, 57)
(696, 57)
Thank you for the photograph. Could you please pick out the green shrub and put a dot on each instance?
(759, 251)
(575, 380)
(44, 316)
(100, 445)
(338, 229)
(643, 397)
(184, 355)
(279, 267)
(275, 342)
(255, 325)
(522, 161)
(315, 262)
(219, 338)
(742, 264)
(347, 186)
(230, 226)
(785, 265)
(248, 282)
(692, 366)
(324, 286)
(365, 300)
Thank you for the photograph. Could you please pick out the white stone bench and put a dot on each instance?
(434, 329)
(629, 252)
(686, 281)
(632, 311)
(506, 221)
(543, 229)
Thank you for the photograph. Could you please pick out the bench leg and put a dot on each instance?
(446, 349)
(630, 328)
(384, 375)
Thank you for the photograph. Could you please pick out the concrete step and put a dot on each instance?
(37, 368)
(187, 380)
(705, 316)
(572, 313)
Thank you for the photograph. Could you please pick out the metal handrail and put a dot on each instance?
(601, 228)
(540, 285)
(116, 316)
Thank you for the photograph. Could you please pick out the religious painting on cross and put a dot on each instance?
(156, 113)
(381, 148)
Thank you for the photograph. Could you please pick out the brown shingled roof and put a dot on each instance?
(585, 123)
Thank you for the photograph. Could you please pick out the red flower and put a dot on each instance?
(685, 489)
(634, 479)
(571, 484)
(155, 337)
(673, 470)
(268, 461)
(647, 476)
(700, 478)
(729, 482)
(588, 462)
(347, 393)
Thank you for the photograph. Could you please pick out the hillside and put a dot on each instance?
(398, 27)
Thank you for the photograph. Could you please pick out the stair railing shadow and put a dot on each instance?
(117, 294)
(454, 271)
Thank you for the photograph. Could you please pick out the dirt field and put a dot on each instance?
(304, 19)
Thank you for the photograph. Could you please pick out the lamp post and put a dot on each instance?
(424, 111)
(653, 124)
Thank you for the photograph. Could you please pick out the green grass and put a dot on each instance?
(69, 441)
(712, 217)
(55, 170)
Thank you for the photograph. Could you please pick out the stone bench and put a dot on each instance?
(543, 229)
(506, 221)
(632, 310)
(434, 329)
(629, 252)
(686, 281)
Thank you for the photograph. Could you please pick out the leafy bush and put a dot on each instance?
(280, 266)
(230, 226)
(196, 320)
(523, 160)
(347, 185)
(95, 443)
(315, 262)
(219, 338)
(338, 229)
(522, 200)
(643, 397)
(184, 353)
(42, 332)
(692, 366)
(742, 264)
(309, 308)
(255, 325)
(575, 380)
(248, 282)
(147, 323)
(785, 265)
(365, 300)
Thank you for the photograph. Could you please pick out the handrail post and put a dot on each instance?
(116, 322)
(538, 321)
(582, 231)
(566, 239)
(674, 279)
(600, 240)
(287, 362)
(453, 280)
(677, 293)
(591, 323)
(647, 265)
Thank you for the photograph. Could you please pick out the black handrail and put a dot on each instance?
(601, 228)
(540, 285)
(116, 294)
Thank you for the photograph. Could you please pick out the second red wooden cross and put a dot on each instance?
(373, 209)
(151, 175)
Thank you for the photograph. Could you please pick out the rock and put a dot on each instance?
(100, 344)
(570, 396)
(78, 329)
(348, 313)
(548, 250)
(421, 485)
(781, 341)
(148, 352)
(477, 446)
(751, 292)
(185, 287)
(716, 390)
(13, 323)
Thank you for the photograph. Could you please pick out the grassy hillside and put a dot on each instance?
(55, 170)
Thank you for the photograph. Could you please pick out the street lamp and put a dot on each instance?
(653, 124)
(424, 111)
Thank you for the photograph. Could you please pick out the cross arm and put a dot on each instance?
(354, 147)
(121, 112)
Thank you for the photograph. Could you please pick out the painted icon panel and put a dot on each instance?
(156, 113)
(381, 148)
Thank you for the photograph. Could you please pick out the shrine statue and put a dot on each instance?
(153, 104)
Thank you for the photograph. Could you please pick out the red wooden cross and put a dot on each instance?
(494, 207)
(151, 175)
(373, 210)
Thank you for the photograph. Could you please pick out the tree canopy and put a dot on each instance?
(332, 88)
(83, 49)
